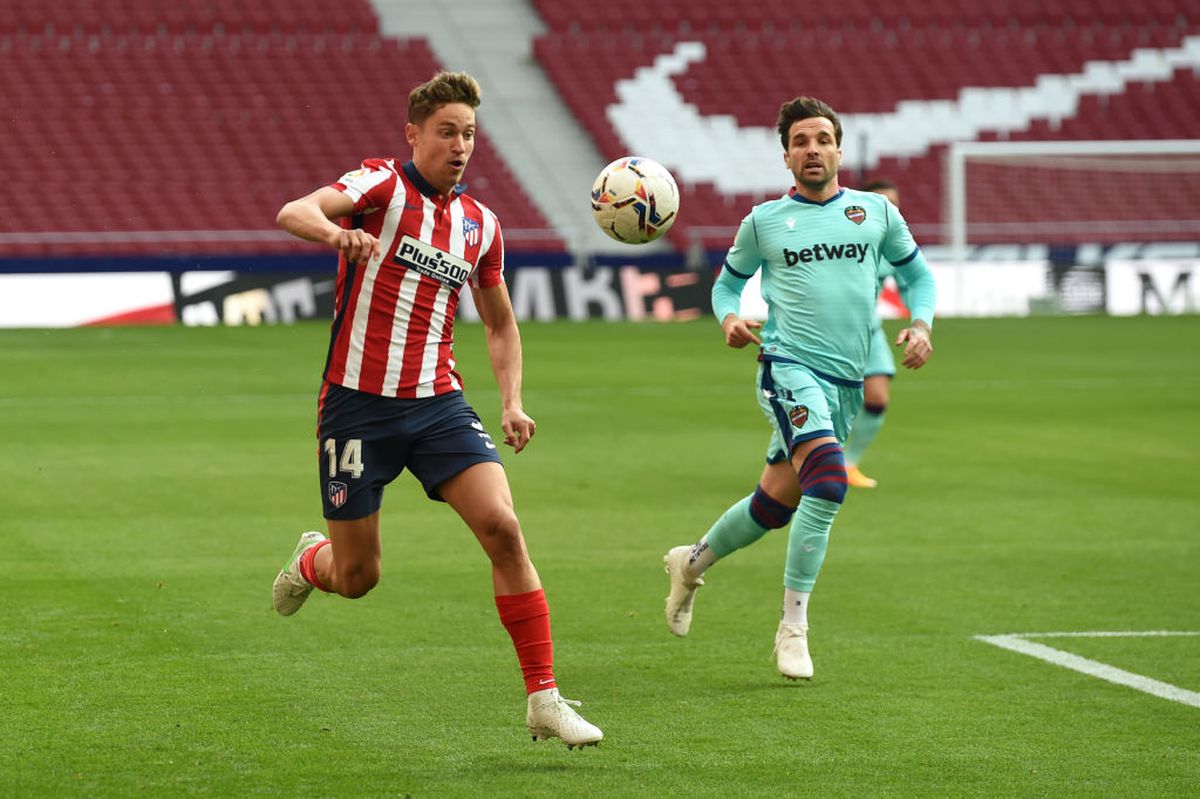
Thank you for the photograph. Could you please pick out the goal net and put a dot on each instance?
(1073, 191)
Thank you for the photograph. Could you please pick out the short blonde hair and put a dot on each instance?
(442, 88)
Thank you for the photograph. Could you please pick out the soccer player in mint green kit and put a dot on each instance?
(819, 249)
(881, 368)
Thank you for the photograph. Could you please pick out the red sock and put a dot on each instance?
(527, 619)
(308, 568)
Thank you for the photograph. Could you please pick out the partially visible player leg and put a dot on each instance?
(480, 494)
(866, 426)
(821, 473)
(881, 367)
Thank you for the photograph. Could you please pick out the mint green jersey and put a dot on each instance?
(821, 267)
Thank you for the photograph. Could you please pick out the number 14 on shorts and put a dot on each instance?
(350, 461)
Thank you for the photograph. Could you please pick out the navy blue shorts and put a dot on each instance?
(365, 441)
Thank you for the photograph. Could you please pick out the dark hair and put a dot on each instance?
(442, 88)
(879, 184)
(804, 108)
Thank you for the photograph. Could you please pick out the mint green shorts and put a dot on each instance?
(801, 404)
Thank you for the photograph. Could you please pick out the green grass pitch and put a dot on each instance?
(1039, 475)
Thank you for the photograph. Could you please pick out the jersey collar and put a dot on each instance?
(418, 180)
(802, 199)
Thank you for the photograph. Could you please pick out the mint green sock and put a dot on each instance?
(808, 539)
(734, 530)
(866, 426)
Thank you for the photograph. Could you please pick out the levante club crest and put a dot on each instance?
(856, 214)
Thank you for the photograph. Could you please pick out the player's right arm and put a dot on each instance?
(919, 290)
(739, 332)
(311, 218)
(741, 262)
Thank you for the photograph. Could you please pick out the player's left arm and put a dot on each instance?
(920, 295)
(915, 278)
(504, 351)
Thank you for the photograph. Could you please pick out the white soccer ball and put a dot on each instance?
(635, 200)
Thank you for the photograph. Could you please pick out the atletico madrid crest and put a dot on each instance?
(470, 231)
(337, 493)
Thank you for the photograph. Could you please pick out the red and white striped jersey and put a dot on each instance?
(393, 320)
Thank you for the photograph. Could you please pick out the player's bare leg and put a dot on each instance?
(481, 496)
(345, 563)
(351, 565)
(779, 482)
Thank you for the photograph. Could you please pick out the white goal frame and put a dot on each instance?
(959, 152)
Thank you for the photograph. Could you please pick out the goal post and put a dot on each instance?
(1072, 191)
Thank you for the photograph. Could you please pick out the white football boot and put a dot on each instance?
(291, 589)
(550, 716)
(791, 651)
(683, 589)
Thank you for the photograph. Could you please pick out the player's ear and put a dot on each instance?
(410, 133)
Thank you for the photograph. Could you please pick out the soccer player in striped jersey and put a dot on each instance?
(409, 240)
(819, 249)
(880, 369)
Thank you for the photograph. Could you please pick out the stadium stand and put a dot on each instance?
(136, 126)
(181, 127)
(868, 59)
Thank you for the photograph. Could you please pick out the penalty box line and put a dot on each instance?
(1018, 642)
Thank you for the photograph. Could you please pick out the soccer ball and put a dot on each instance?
(635, 200)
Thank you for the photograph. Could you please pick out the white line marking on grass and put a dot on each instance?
(1107, 634)
(1017, 642)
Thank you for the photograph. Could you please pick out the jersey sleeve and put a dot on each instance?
(370, 186)
(898, 244)
(741, 262)
(913, 276)
(489, 272)
(917, 287)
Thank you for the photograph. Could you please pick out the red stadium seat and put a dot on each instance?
(207, 115)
